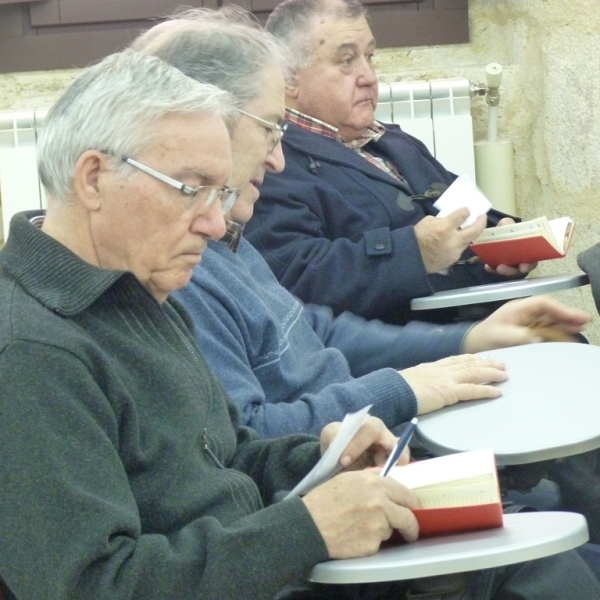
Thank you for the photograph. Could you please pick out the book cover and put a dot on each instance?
(526, 242)
(459, 492)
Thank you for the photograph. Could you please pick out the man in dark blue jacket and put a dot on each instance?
(349, 223)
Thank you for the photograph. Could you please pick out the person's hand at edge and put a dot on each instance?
(526, 321)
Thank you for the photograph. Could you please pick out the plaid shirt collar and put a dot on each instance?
(371, 133)
(233, 235)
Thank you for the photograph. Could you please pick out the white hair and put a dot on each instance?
(112, 106)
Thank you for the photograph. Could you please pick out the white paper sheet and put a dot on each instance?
(463, 193)
(329, 464)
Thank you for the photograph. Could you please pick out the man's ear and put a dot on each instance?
(87, 179)
(291, 86)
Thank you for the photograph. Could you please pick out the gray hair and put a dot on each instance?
(293, 22)
(112, 106)
(226, 48)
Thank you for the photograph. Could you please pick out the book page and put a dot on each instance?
(562, 229)
(538, 226)
(462, 479)
(482, 491)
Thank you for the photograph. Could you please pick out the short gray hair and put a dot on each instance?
(226, 48)
(112, 106)
(293, 22)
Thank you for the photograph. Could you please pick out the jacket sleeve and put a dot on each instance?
(221, 338)
(369, 345)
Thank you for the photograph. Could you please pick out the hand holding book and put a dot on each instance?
(512, 244)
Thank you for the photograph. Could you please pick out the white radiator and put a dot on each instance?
(438, 112)
(20, 187)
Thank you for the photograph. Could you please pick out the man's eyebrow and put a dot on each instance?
(202, 176)
(345, 47)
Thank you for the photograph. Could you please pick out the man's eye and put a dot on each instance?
(348, 62)
(370, 57)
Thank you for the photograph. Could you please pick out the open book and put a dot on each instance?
(458, 492)
(525, 242)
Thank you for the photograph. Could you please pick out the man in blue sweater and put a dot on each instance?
(349, 222)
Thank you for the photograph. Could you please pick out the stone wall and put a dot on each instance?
(549, 109)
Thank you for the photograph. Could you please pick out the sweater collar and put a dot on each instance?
(50, 272)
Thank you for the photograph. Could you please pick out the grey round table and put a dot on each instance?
(494, 292)
(525, 536)
(549, 408)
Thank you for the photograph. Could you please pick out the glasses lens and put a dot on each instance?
(230, 195)
(277, 134)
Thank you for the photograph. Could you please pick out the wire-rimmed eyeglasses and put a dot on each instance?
(226, 195)
(276, 130)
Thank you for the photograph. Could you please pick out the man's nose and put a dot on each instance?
(367, 75)
(275, 161)
(211, 222)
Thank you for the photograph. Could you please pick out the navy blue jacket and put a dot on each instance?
(336, 230)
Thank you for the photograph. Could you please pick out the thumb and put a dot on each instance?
(458, 216)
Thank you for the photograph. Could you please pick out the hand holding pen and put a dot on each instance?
(403, 441)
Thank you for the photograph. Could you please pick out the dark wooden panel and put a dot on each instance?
(69, 12)
(46, 13)
(450, 4)
(268, 5)
(49, 52)
(419, 28)
(18, 1)
(57, 34)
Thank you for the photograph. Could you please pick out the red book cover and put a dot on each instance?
(515, 251)
(443, 521)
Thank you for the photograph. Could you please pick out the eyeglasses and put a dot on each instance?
(276, 130)
(226, 195)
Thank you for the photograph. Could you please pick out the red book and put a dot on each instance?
(526, 242)
(458, 492)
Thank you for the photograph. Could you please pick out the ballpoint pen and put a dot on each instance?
(400, 446)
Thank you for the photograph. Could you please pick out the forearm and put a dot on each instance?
(369, 345)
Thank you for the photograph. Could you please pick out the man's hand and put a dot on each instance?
(508, 271)
(370, 447)
(453, 380)
(355, 512)
(526, 321)
(442, 241)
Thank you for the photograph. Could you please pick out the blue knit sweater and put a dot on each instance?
(282, 362)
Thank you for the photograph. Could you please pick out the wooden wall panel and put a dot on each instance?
(56, 34)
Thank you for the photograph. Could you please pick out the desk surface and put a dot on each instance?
(549, 408)
(506, 290)
(525, 536)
